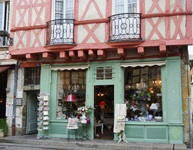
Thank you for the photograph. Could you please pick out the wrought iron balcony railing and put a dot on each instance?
(125, 26)
(60, 31)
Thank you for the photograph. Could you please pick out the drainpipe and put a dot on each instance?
(189, 105)
(14, 99)
(190, 120)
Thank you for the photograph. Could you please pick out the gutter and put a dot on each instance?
(14, 99)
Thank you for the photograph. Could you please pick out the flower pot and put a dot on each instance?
(83, 118)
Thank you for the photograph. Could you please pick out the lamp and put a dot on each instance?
(102, 104)
(71, 98)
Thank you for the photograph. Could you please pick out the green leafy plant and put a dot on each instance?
(142, 95)
(120, 133)
(4, 126)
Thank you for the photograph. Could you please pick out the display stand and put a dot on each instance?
(43, 116)
(119, 122)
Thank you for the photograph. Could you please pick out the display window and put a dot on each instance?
(143, 93)
(71, 93)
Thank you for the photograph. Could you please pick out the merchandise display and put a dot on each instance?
(43, 113)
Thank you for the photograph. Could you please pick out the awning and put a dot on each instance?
(82, 67)
(143, 64)
(8, 62)
(3, 68)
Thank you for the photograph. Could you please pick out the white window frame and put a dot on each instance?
(125, 6)
(63, 29)
(5, 26)
(64, 9)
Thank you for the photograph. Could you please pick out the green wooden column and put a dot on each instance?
(174, 100)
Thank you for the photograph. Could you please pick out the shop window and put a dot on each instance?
(32, 76)
(71, 92)
(143, 93)
(103, 73)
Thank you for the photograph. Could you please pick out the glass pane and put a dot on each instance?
(70, 83)
(143, 94)
(32, 76)
(69, 9)
(1, 16)
(108, 72)
(100, 73)
(59, 9)
(132, 6)
(119, 6)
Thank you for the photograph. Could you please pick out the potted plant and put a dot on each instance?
(3, 127)
(83, 111)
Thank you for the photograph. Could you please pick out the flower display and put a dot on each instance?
(84, 109)
(142, 95)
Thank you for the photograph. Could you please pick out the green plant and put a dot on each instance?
(120, 133)
(4, 126)
(144, 94)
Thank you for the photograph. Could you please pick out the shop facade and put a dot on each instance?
(147, 130)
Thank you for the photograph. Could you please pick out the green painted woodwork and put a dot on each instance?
(53, 95)
(136, 132)
(174, 97)
(176, 134)
(58, 128)
(45, 78)
(156, 132)
(170, 130)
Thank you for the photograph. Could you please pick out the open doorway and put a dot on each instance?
(104, 111)
(3, 77)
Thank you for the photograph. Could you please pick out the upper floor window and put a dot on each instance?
(63, 9)
(4, 15)
(4, 22)
(125, 6)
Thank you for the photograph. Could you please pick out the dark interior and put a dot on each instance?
(104, 111)
(3, 77)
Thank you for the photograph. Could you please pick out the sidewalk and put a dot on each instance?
(61, 143)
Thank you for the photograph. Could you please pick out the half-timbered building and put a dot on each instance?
(103, 53)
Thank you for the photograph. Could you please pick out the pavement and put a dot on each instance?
(96, 144)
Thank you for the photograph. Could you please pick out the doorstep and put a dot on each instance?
(93, 144)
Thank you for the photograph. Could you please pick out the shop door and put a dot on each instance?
(31, 112)
(104, 111)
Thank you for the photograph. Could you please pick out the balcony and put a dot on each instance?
(60, 31)
(125, 27)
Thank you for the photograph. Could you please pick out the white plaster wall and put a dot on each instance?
(163, 3)
(17, 39)
(92, 12)
(40, 42)
(162, 25)
(99, 33)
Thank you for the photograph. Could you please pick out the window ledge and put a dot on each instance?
(60, 46)
(132, 42)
